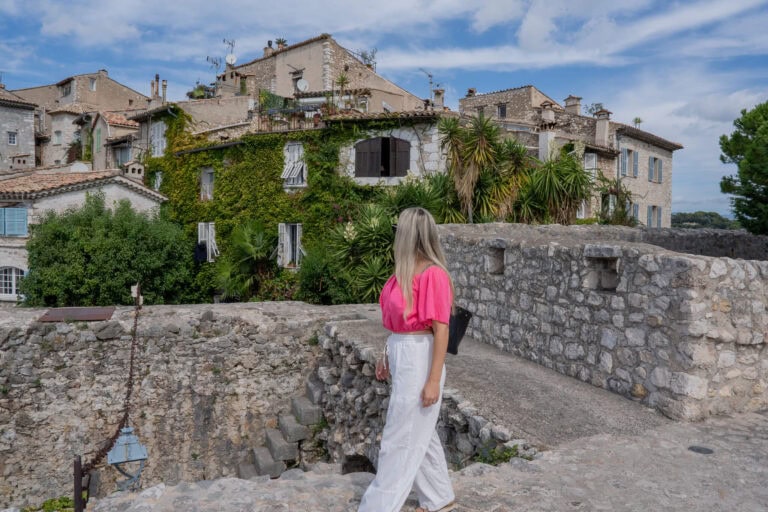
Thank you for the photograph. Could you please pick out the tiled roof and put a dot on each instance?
(37, 184)
(72, 108)
(8, 98)
(149, 113)
(362, 116)
(116, 119)
(363, 91)
(647, 137)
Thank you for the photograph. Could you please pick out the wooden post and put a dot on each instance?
(79, 505)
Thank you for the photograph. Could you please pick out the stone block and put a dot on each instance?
(609, 338)
(602, 251)
(291, 429)
(688, 385)
(246, 471)
(305, 411)
(635, 337)
(279, 448)
(265, 464)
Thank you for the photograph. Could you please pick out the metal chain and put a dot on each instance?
(96, 460)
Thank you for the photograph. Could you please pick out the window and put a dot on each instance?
(13, 222)
(655, 169)
(294, 169)
(206, 184)
(57, 137)
(382, 156)
(501, 110)
(581, 212)
(658, 216)
(9, 280)
(158, 180)
(92, 84)
(157, 138)
(66, 89)
(636, 212)
(629, 157)
(206, 235)
(12, 138)
(590, 163)
(122, 155)
(289, 250)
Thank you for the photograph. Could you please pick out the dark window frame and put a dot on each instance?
(382, 157)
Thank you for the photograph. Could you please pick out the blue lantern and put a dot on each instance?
(127, 449)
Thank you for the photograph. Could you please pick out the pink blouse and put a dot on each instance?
(432, 300)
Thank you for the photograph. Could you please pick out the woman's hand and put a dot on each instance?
(382, 368)
(430, 394)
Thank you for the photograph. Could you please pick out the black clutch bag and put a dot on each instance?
(457, 326)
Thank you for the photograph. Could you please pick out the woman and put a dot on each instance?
(416, 306)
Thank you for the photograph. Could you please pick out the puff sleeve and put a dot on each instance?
(434, 299)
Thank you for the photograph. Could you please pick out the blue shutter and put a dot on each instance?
(624, 162)
(650, 216)
(15, 221)
(650, 168)
(2, 221)
(636, 212)
(658, 222)
(659, 177)
(635, 163)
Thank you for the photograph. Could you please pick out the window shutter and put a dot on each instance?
(650, 168)
(2, 221)
(649, 223)
(636, 211)
(213, 249)
(202, 232)
(659, 177)
(658, 222)
(289, 249)
(299, 248)
(402, 156)
(362, 159)
(281, 235)
(635, 163)
(16, 221)
(624, 162)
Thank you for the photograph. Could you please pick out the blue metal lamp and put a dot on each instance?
(127, 449)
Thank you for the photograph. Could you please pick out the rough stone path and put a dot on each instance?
(652, 471)
(538, 404)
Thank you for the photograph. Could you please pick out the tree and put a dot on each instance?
(747, 147)
(593, 108)
(247, 263)
(700, 219)
(90, 256)
(615, 202)
(637, 121)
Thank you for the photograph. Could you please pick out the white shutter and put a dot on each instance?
(202, 232)
(289, 255)
(299, 249)
(281, 245)
(213, 249)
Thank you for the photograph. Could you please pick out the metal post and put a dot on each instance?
(79, 504)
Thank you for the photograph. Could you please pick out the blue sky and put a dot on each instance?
(686, 68)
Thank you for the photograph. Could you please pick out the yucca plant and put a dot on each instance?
(247, 261)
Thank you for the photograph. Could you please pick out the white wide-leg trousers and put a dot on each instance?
(411, 455)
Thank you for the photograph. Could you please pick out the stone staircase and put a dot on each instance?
(282, 443)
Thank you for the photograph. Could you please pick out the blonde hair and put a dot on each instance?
(416, 238)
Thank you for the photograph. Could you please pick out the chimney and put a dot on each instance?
(439, 99)
(546, 131)
(156, 93)
(547, 114)
(268, 50)
(471, 92)
(2, 86)
(602, 126)
(165, 89)
(573, 105)
(152, 89)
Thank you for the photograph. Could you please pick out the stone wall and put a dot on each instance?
(355, 403)
(20, 120)
(683, 333)
(209, 378)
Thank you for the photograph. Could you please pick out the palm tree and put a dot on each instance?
(247, 263)
(637, 121)
(342, 81)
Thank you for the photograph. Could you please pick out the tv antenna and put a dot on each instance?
(230, 58)
(430, 77)
(215, 63)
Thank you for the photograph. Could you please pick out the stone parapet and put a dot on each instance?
(680, 332)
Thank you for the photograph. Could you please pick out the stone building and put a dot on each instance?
(309, 71)
(111, 138)
(17, 131)
(24, 199)
(641, 160)
(61, 104)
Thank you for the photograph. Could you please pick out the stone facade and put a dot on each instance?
(59, 104)
(680, 332)
(319, 62)
(544, 126)
(17, 132)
